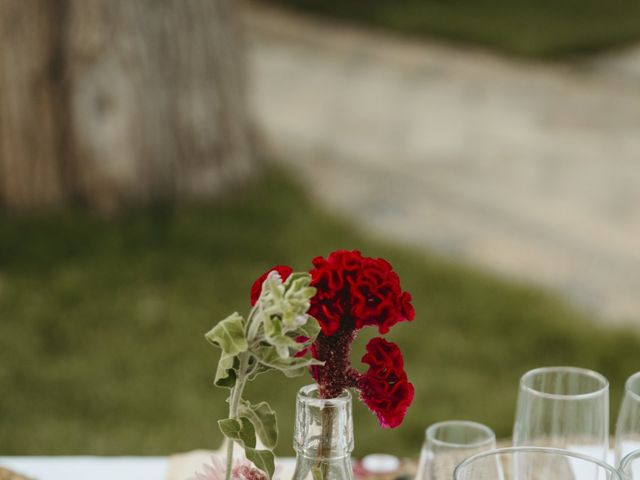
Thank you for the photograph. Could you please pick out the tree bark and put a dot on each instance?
(112, 102)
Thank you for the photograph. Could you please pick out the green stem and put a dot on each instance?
(326, 441)
(252, 329)
(234, 403)
(227, 472)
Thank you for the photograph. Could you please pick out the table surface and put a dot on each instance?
(94, 468)
(101, 468)
(111, 468)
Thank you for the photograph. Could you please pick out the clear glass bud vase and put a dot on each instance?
(323, 437)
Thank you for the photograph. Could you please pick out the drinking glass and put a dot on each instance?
(628, 425)
(533, 463)
(563, 407)
(630, 466)
(449, 443)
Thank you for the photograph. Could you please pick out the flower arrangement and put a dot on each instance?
(265, 341)
(317, 313)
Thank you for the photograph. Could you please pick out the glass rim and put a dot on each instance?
(309, 395)
(429, 434)
(615, 474)
(628, 459)
(604, 383)
(627, 386)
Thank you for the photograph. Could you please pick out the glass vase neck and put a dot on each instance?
(323, 437)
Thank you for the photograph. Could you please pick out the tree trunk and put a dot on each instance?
(110, 102)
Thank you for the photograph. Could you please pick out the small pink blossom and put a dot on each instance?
(242, 470)
(215, 471)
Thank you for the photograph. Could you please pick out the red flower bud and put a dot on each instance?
(256, 288)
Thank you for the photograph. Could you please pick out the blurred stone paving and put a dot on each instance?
(529, 169)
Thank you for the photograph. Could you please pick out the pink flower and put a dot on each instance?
(215, 471)
(242, 470)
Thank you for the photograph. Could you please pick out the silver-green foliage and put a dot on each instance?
(266, 340)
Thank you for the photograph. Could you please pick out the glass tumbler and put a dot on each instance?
(628, 425)
(449, 443)
(563, 407)
(534, 463)
(630, 466)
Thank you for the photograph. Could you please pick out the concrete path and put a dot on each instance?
(531, 170)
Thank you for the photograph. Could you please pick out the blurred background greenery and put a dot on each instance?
(136, 213)
(102, 348)
(543, 28)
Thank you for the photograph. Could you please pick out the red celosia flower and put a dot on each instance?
(256, 288)
(352, 292)
(358, 291)
(384, 387)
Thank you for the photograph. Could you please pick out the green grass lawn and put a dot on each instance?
(102, 323)
(541, 28)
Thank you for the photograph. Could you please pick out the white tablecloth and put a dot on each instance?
(180, 467)
(89, 468)
(177, 467)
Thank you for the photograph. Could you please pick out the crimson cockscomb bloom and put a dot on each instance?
(354, 292)
(384, 388)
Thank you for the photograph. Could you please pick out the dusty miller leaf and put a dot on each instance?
(275, 336)
(261, 368)
(239, 430)
(311, 329)
(290, 366)
(263, 459)
(242, 432)
(226, 372)
(229, 335)
(263, 419)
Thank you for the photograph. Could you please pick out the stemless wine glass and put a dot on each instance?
(448, 443)
(533, 463)
(563, 407)
(630, 466)
(628, 425)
